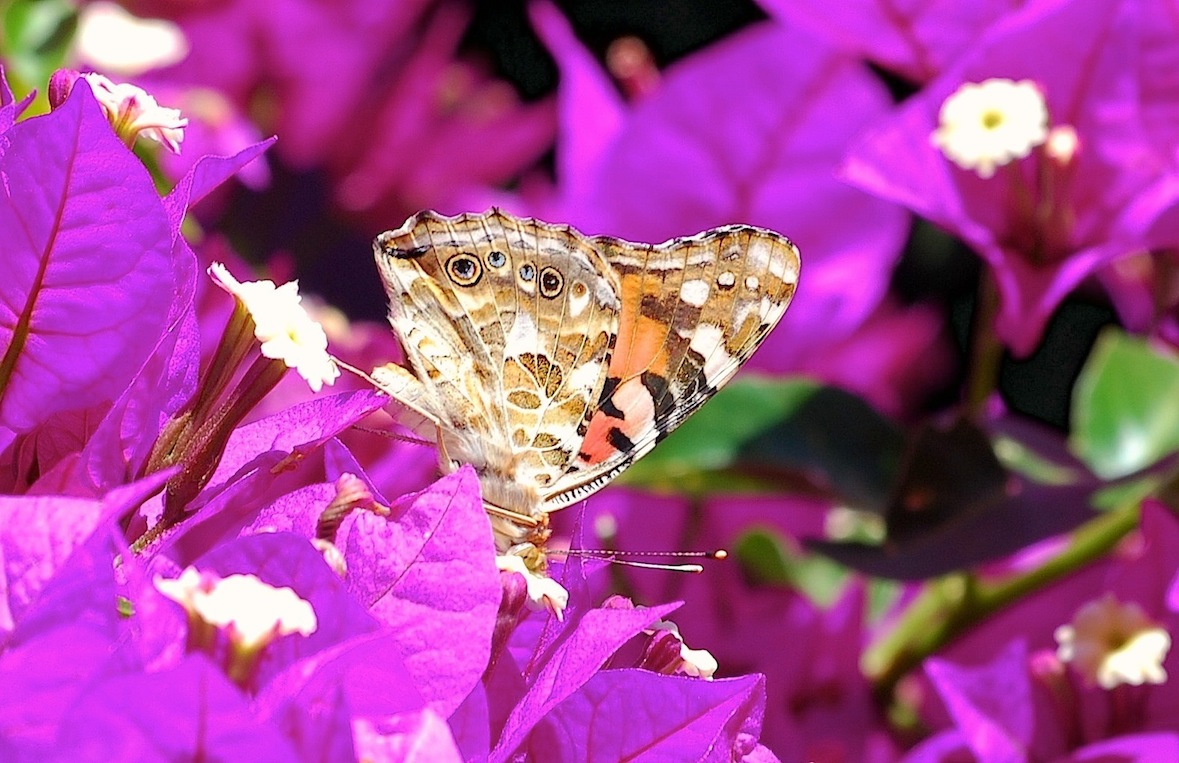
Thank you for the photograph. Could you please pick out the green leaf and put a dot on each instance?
(36, 38)
(839, 442)
(1018, 457)
(765, 559)
(762, 557)
(711, 439)
(770, 434)
(1125, 407)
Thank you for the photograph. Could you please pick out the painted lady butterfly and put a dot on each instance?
(550, 361)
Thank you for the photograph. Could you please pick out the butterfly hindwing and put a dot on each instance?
(511, 323)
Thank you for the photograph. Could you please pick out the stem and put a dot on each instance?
(208, 442)
(143, 542)
(986, 352)
(203, 449)
(236, 341)
(949, 606)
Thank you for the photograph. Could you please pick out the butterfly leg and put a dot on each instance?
(448, 464)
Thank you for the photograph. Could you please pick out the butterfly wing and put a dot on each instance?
(692, 312)
(437, 331)
(508, 325)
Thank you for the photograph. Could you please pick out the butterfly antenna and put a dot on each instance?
(392, 435)
(371, 430)
(353, 369)
(621, 558)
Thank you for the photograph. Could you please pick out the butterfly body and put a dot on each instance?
(550, 361)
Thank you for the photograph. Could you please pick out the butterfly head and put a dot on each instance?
(519, 528)
(405, 264)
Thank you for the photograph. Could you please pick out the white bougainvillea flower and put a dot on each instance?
(697, 663)
(283, 326)
(185, 589)
(543, 591)
(1110, 644)
(134, 113)
(988, 124)
(256, 611)
(250, 611)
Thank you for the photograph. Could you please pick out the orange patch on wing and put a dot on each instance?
(635, 402)
(642, 346)
(595, 446)
(641, 339)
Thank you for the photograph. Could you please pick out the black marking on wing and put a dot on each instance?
(619, 440)
(664, 403)
(408, 254)
(605, 400)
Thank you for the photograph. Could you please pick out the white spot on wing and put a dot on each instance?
(522, 338)
(792, 274)
(709, 341)
(577, 304)
(584, 376)
(763, 256)
(694, 292)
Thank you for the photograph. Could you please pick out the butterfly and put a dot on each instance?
(550, 361)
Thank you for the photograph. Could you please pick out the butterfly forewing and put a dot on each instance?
(692, 312)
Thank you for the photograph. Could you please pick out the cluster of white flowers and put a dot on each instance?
(1110, 644)
(283, 326)
(988, 124)
(252, 612)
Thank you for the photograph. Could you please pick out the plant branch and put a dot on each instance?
(950, 605)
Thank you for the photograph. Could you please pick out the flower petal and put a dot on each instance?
(39, 535)
(186, 712)
(428, 572)
(88, 274)
(564, 670)
(628, 714)
(992, 704)
(205, 175)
